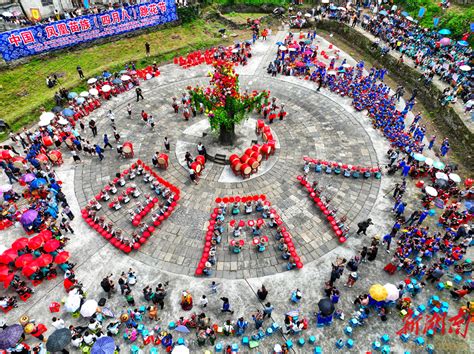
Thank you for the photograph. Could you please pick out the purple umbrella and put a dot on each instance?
(28, 177)
(10, 336)
(28, 217)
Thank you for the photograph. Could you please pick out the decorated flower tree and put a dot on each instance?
(225, 105)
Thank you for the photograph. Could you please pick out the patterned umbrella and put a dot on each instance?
(10, 336)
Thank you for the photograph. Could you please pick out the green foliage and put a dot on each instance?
(188, 14)
(456, 19)
(250, 2)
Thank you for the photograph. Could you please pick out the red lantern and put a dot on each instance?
(342, 239)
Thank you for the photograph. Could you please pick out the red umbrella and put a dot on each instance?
(62, 257)
(51, 245)
(321, 64)
(46, 235)
(35, 242)
(20, 243)
(4, 270)
(8, 279)
(29, 269)
(8, 256)
(44, 260)
(23, 260)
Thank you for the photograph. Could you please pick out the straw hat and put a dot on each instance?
(124, 317)
(30, 327)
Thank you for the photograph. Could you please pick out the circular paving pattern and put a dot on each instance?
(315, 126)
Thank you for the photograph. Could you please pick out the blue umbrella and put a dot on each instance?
(116, 81)
(463, 43)
(37, 183)
(10, 336)
(383, 13)
(444, 31)
(103, 345)
(68, 112)
(332, 7)
(106, 74)
(279, 43)
(406, 14)
(182, 329)
(72, 95)
(80, 100)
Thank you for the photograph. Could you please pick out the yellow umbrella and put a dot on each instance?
(378, 292)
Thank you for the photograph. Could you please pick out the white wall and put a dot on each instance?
(46, 11)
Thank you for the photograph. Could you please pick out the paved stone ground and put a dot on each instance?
(319, 125)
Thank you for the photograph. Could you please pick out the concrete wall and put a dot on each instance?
(445, 118)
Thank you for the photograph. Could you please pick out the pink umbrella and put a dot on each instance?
(445, 41)
(299, 64)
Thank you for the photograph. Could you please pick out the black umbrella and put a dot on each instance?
(326, 306)
(10, 336)
(57, 109)
(441, 183)
(58, 340)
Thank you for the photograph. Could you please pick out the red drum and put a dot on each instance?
(69, 141)
(42, 158)
(253, 163)
(266, 129)
(260, 124)
(244, 158)
(196, 166)
(256, 148)
(248, 151)
(47, 141)
(233, 158)
(201, 160)
(55, 156)
(255, 155)
(272, 144)
(236, 165)
(267, 136)
(163, 160)
(246, 169)
(266, 149)
(19, 162)
(128, 147)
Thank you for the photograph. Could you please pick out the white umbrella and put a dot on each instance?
(73, 303)
(419, 157)
(62, 121)
(409, 18)
(307, 15)
(431, 191)
(392, 291)
(429, 161)
(331, 73)
(235, 50)
(106, 88)
(92, 80)
(89, 308)
(148, 76)
(346, 65)
(94, 92)
(441, 175)
(7, 14)
(465, 67)
(455, 178)
(282, 47)
(84, 94)
(292, 49)
(47, 116)
(125, 78)
(44, 123)
(180, 349)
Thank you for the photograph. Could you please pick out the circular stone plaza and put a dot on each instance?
(195, 249)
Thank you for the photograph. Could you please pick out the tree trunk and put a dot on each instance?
(227, 135)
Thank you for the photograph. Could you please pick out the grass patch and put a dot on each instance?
(241, 17)
(23, 88)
